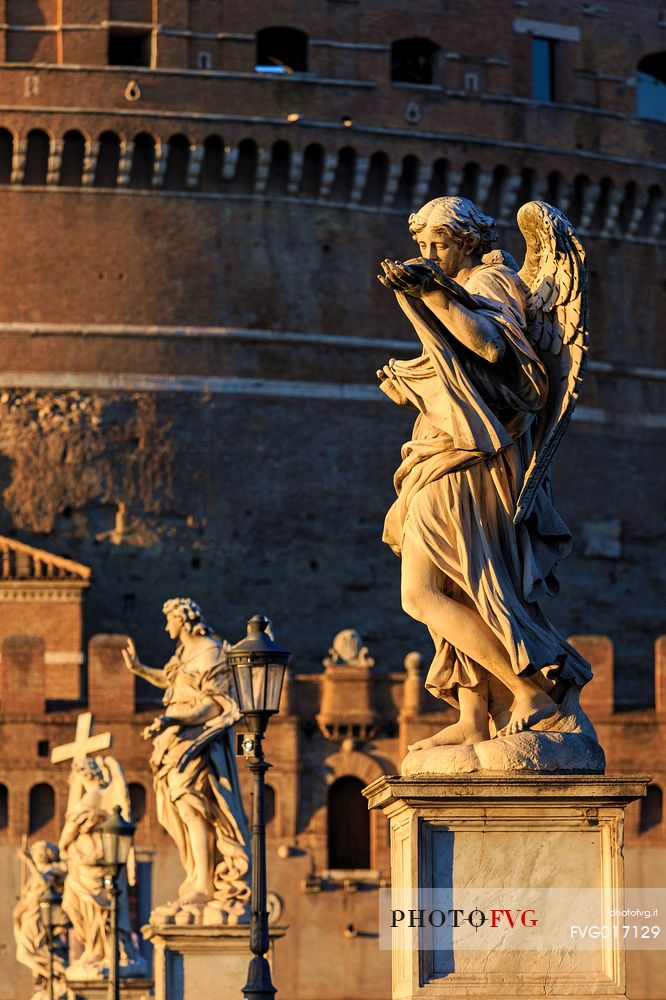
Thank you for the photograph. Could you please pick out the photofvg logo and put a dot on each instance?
(519, 919)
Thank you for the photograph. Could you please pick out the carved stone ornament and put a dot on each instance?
(346, 709)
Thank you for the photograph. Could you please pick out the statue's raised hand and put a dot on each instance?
(132, 661)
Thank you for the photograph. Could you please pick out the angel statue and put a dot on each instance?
(96, 786)
(194, 767)
(474, 521)
(43, 868)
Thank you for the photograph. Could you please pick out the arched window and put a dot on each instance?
(413, 60)
(493, 204)
(143, 161)
(73, 153)
(404, 196)
(348, 825)
(528, 180)
(278, 172)
(4, 807)
(6, 155)
(246, 167)
(470, 181)
(651, 809)
(138, 801)
(108, 158)
(651, 87)
(652, 210)
(580, 187)
(42, 808)
(628, 206)
(343, 181)
(213, 161)
(282, 50)
(438, 180)
(555, 189)
(375, 183)
(313, 168)
(178, 157)
(37, 157)
(601, 208)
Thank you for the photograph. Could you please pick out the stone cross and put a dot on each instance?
(84, 742)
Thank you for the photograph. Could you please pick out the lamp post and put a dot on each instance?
(116, 835)
(258, 665)
(51, 912)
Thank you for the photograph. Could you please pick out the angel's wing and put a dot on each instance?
(117, 794)
(555, 276)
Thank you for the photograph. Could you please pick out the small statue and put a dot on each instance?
(43, 869)
(474, 523)
(194, 767)
(97, 785)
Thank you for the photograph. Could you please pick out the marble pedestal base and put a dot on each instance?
(193, 962)
(98, 989)
(486, 840)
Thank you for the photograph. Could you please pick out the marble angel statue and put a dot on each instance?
(97, 785)
(43, 868)
(474, 522)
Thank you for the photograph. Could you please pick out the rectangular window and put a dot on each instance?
(204, 60)
(472, 83)
(543, 69)
(129, 47)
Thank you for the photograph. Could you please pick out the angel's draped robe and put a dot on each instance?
(197, 765)
(460, 478)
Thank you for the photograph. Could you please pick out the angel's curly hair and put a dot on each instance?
(190, 614)
(458, 218)
(89, 768)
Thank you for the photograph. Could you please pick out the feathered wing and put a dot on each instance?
(117, 794)
(555, 275)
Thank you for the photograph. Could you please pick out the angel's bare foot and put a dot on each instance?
(451, 736)
(195, 897)
(529, 709)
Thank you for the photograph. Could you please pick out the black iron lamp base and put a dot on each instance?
(259, 985)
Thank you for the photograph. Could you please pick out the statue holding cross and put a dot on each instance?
(96, 785)
(85, 744)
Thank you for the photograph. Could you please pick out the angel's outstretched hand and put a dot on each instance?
(401, 278)
(130, 656)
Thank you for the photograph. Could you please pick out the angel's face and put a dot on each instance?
(442, 249)
(173, 625)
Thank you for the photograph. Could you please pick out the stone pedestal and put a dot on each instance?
(193, 962)
(98, 989)
(545, 848)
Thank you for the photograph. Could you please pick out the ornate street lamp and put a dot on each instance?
(258, 665)
(116, 835)
(51, 912)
